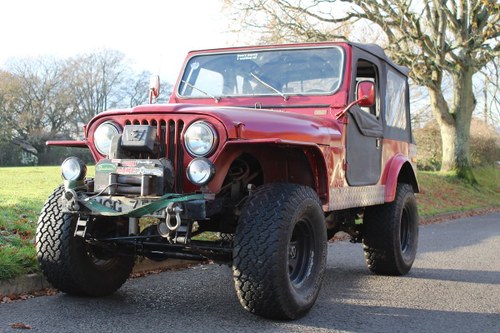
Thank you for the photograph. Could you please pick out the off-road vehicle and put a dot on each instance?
(271, 149)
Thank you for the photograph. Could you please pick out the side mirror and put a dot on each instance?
(154, 88)
(366, 97)
(366, 93)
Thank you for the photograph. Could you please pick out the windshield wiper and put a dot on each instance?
(267, 85)
(217, 99)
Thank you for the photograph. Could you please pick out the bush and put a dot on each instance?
(56, 155)
(484, 145)
(428, 140)
(10, 154)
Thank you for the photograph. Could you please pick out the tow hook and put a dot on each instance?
(173, 212)
(172, 220)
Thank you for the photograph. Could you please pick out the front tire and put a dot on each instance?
(390, 234)
(280, 250)
(68, 262)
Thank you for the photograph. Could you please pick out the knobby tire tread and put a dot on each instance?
(257, 281)
(379, 244)
(55, 245)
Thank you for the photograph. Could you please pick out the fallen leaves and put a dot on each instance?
(458, 215)
(23, 297)
(22, 326)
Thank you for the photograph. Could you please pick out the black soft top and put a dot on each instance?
(373, 49)
(377, 51)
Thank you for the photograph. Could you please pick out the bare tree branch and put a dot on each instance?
(434, 38)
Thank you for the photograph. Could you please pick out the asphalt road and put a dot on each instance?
(454, 286)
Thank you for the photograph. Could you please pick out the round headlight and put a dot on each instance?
(200, 171)
(200, 139)
(103, 135)
(73, 168)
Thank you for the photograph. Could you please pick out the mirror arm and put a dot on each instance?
(151, 95)
(343, 112)
(154, 88)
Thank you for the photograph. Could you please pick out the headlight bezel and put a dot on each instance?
(190, 135)
(73, 169)
(103, 147)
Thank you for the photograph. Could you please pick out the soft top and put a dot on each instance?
(379, 52)
(373, 49)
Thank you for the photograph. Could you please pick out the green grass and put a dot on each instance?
(443, 193)
(24, 190)
(22, 194)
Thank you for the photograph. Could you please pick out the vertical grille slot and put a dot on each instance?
(171, 140)
(179, 161)
(160, 130)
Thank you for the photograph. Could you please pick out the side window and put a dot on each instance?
(395, 98)
(367, 71)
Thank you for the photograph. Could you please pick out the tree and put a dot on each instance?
(96, 81)
(36, 104)
(136, 90)
(7, 90)
(46, 98)
(488, 87)
(434, 38)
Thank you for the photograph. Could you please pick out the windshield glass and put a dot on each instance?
(310, 71)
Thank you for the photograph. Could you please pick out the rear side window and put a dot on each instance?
(395, 99)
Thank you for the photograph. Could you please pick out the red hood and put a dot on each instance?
(253, 123)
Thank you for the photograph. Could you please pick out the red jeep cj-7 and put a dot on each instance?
(273, 148)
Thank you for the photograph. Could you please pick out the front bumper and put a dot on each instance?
(78, 200)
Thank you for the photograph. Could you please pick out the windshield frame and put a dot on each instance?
(181, 84)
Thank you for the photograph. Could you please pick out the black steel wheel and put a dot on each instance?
(280, 249)
(299, 248)
(390, 234)
(69, 263)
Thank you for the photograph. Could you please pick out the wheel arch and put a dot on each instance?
(278, 162)
(399, 170)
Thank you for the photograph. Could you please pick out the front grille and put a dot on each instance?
(169, 133)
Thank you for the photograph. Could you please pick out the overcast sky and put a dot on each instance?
(156, 34)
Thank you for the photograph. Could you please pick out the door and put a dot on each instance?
(364, 133)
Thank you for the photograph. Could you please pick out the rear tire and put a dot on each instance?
(226, 238)
(280, 250)
(68, 262)
(390, 234)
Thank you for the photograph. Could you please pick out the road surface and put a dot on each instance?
(454, 286)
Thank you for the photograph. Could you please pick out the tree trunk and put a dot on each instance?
(455, 124)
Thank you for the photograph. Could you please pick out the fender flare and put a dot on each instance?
(234, 149)
(398, 169)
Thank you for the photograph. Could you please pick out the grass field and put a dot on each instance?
(442, 193)
(24, 190)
